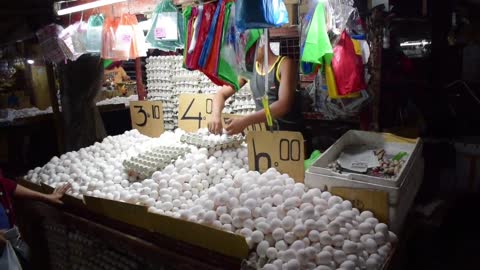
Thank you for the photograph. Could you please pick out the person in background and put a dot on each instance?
(116, 73)
(283, 98)
(8, 191)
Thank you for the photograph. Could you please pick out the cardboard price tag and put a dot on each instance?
(283, 150)
(365, 199)
(194, 111)
(147, 117)
(254, 127)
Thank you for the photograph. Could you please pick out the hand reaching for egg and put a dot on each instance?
(235, 126)
(215, 126)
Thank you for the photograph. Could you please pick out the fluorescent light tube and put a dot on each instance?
(86, 6)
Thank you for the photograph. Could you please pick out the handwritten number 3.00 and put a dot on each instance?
(141, 111)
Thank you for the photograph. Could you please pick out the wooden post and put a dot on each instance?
(375, 37)
(142, 95)
(57, 116)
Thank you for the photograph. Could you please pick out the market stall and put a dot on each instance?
(242, 210)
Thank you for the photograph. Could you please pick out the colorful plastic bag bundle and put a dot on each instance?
(165, 32)
(192, 56)
(94, 33)
(254, 14)
(49, 44)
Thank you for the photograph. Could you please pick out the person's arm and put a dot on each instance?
(25, 193)
(279, 108)
(215, 125)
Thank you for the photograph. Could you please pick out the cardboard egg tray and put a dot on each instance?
(201, 142)
(145, 164)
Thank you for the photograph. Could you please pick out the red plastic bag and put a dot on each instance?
(347, 67)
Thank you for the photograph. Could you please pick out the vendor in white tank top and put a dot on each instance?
(284, 104)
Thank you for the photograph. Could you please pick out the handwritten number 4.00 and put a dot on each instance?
(208, 110)
(141, 111)
(185, 117)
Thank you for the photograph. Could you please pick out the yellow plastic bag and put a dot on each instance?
(332, 85)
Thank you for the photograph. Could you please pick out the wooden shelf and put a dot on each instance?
(285, 32)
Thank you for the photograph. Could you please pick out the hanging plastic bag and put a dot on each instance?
(9, 260)
(123, 38)
(165, 32)
(339, 13)
(317, 48)
(214, 36)
(66, 43)
(108, 41)
(347, 67)
(245, 48)
(306, 67)
(79, 37)
(192, 57)
(139, 46)
(226, 72)
(94, 33)
(49, 44)
(254, 14)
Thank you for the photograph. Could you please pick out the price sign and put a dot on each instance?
(254, 127)
(283, 150)
(147, 117)
(194, 111)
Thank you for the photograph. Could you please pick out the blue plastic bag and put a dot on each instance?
(254, 14)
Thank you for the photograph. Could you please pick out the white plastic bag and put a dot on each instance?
(9, 260)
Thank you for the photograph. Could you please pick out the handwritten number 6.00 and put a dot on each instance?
(290, 145)
(141, 111)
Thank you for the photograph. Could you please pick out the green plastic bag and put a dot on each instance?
(317, 49)
(94, 33)
(313, 158)
(167, 31)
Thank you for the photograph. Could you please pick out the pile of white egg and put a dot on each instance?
(287, 225)
(118, 100)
